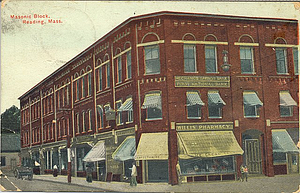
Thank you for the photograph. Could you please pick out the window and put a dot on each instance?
(67, 96)
(295, 54)
(119, 77)
(119, 113)
(100, 78)
(100, 117)
(128, 65)
(215, 104)
(152, 63)
(77, 90)
(77, 123)
(189, 58)
(281, 61)
(83, 86)
(193, 104)
(89, 84)
(107, 75)
(3, 161)
(251, 104)
(83, 122)
(246, 56)
(286, 104)
(286, 111)
(210, 59)
(90, 120)
(152, 104)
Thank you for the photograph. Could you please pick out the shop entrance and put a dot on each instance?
(292, 163)
(253, 156)
(158, 171)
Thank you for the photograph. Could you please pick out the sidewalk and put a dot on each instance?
(282, 183)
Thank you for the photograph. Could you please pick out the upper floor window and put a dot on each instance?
(193, 105)
(296, 66)
(246, 56)
(100, 78)
(152, 62)
(152, 104)
(83, 87)
(119, 76)
(77, 89)
(100, 119)
(119, 113)
(128, 65)
(83, 122)
(90, 120)
(215, 104)
(107, 75)
(77, 123)
(127, 106)
(281, 61)
(89, 84)
(286, 104)
(189, 58)
(211, 59)
(251, 104)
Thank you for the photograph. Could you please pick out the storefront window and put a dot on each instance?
(279, 157)
(207, 165)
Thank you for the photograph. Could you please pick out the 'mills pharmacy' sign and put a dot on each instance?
(204, 126)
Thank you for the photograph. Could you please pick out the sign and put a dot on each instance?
(202, 81)
(204, 126)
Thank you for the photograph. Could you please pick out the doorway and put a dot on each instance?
(253, 156)
(292, 163)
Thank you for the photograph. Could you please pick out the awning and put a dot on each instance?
(251, 98)
(207, 144)
(126, 150)
(97, 153)
(282, 142)
(152, 100)
(193, 98)
(153, 146)
(286, 99)
(215, 98)
(126, 106)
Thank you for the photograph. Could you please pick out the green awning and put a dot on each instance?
(126, 150)
(251, 99)
(286, 99)
(193, 98)
(153, 146)
(152, 100)
(282, 142)
(126, 106)
(215, 98)
(207, 144)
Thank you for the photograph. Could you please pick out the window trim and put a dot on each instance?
(194, 57)
(285, 61)
(216, 58)
(128, 58)
(158, 58)
(290, 108)
(119, 69)
(252, 60)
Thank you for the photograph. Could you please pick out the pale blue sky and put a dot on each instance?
(29, 53)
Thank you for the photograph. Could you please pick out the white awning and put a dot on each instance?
(152, 100)
(215, 98)
(286, 99)
(153, 146)
(126, 106)
(251, 99)
(193, 98)
(97, 153)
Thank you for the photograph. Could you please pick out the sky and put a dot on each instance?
(31, 52)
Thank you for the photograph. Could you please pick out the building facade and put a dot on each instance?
(207, 92)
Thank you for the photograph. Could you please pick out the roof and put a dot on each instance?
(155, 14)
(10, 142)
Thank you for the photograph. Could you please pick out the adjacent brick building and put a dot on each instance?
(209, 92)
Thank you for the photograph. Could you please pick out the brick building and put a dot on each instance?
(209, 92)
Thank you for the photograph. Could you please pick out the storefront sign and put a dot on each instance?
(202, 81)
(128, 131)
(105, 135)
(204, 126)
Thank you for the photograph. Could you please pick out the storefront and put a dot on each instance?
(285, 153)
(207, 155)
(152, 150)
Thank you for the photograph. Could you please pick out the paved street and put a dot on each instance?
(48, 183)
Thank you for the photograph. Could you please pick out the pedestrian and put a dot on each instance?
(89, 171)
(178, 171)
(242, 173)
(133, 175)
(246, 172)
(55, 171)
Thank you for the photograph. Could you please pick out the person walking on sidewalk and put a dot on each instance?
(178, 171)
(133, 175)
(246, 172)
(242, 173)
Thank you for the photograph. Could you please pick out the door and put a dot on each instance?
(253, 156)
(293, 163)
(13, 163)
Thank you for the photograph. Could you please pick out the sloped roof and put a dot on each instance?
(10, 142)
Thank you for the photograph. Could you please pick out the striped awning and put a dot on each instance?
(126, 106)
(193, 98)
(126, 150)
(286, 99)
(251, 99)
(152, 100)
(282, 142)
(215, 98)
(97, 153)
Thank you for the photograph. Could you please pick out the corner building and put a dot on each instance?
(209, 92)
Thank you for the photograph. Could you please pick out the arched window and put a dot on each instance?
(90, 120)
(100, 118)
(83, 122)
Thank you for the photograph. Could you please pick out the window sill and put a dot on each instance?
(215, 117)
(119, 124)
(285, 116)
(283, 73)
(212, 72)
(192, 72)
(198, 118)
(251, 117)
(129, 122)
(154, 119)
(248, 73)
(152, 74)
